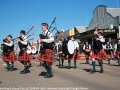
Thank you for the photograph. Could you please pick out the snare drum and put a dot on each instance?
(108, 51)
(68, 47)
(87, 51)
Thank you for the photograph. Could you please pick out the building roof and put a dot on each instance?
(114, 11)
(80, 29)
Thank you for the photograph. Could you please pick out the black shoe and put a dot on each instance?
(59, 65)
(50, 75)
(8, 69)
(46, 75)
(101, 71)
(93, 71)
(21, 71)
(25, 72)
(75, 67)
(12, 69)
(69, 68)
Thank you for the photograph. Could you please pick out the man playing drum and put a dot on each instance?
(59, 51)
(108, 49)
(75, 55)
(117, 51)
(87, 50)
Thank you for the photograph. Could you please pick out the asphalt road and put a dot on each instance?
(63, 79)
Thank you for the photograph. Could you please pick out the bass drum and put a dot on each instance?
(68, 47)
(33, 50)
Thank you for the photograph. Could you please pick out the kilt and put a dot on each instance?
(74, 56)
(47, 57)
(60, 55)
(9, 57)
(25, 56)
(110, 53)
(117, 54)
(100, 56)
(87, 53)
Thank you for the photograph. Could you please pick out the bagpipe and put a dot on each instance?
(45, 45)
(24, 47)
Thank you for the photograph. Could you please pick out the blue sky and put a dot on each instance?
(17, 15)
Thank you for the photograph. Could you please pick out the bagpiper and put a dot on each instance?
(8, 53)
(24, 57)
(46, 55)
(97, 52)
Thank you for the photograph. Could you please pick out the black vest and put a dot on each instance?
(21, 46)
(46, 45)
(7, 49)
(118, 47)
(108, 46)
(97, 44)
(86, 46)
(59, 47)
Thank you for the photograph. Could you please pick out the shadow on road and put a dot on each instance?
(42, 74)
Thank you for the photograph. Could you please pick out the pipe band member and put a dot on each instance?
(117, 51)
(108, 49)
(87, 50)
(8, 53)
(75, 55)
(98, 51)
(46, 53)
(24, 57)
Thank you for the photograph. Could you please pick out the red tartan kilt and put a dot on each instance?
(74, 56)
(109, 54)
(100, 56)
(25, 57)
(9, 57)
(47, 57)
(117, 54)
(87, 53)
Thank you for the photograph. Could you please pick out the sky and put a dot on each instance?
(17, 15)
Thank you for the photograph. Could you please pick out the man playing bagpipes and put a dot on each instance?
(87, 50)
(46, 53)
(8, 53)
(97, 51)
(108, 49)
(24, 57)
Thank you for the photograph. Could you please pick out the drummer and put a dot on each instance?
(117, 51)
(87, 49)
(75, 55)
(108, 49)
(59, 51)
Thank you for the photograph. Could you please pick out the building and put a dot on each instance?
(107, 20)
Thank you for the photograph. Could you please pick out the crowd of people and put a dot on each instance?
(99, 50)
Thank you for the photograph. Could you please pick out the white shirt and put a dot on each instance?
(84, 47)
(106, 45)
(25, 40)
(51, 39)
(76, 44)
(9, 44)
